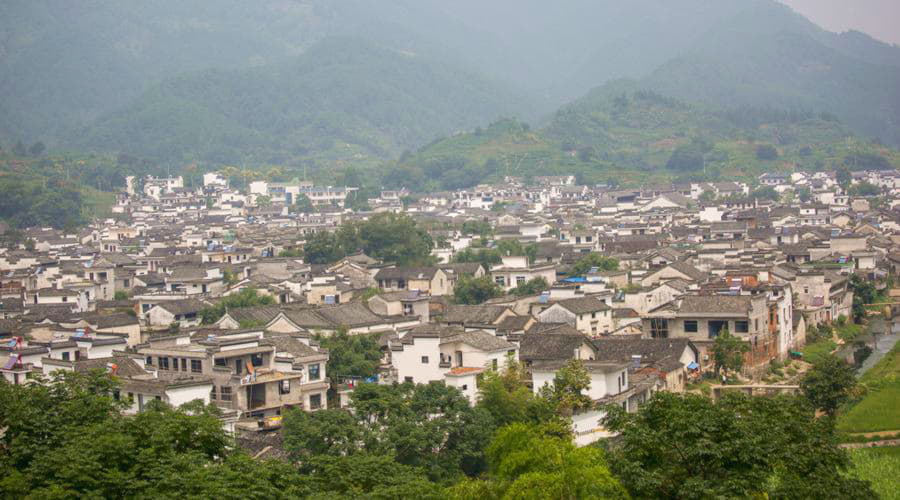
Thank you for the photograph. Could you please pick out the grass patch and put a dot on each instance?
(818, 349)
(879, 409)
(881, 467)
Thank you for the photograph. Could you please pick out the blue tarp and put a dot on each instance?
(693, 365)
(576, 279)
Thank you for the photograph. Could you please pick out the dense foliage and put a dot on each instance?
(470, 290)
(386, 236)
(355, 355)
(828, 384)
(429, 426)
(595, 260)
(686, 446)
(248, 297)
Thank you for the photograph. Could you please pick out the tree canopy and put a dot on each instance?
(687, 446)
(248, 297)
(592, 260)
(387, 236)
(471, 290)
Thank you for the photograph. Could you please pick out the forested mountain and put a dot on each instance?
(627, 135)
(290, 81)
(769, 56)
(343, 99)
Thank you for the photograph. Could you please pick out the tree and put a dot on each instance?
(531, 461)
(324, 432)
(66, 437)
(352, 355)
(568, 393)
(247, 297)
(864, 188)
(508, 399)
(687, 446)
(728, 352)
(323, 248)
(766, 152)
(19, 149)
(431, 426)
(530, 287)
(37, 149)
(367, 476)
(686, 158)
(302, 204)
(765, 193)
(120, 295)
(804, 194)
(864, 292)
(843, 178)
(707, 197)
(829, 384)
(469, 290)
(484, 256)
(595, 260)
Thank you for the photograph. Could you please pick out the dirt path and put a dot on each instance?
(870, 444)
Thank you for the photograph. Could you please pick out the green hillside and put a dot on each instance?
(627, 136)
(768, 56)
(344, 99)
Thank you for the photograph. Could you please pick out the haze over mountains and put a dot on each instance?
(284, 81)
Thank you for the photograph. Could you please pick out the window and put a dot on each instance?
(256, 360)
(65, 356)
(659, 328)
(212, 394)
(314, 372)
(494, 364)
(196, 366)
(511, 352)
(225, 392)
(315, 401)
(163, 363)
(117, 395)
(464, 387)
(690, 326)
(184, 364)
(284, 387)
(238, 367)
(593, 315)
(741, 326)
(424, 360)
(500, 280)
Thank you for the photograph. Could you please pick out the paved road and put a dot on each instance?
(884, 345)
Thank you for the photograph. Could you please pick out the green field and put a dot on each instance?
(879, 409)
(880, 466)
(818, 349)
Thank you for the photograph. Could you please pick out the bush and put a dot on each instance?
(766, 152)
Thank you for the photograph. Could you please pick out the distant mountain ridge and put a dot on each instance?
(210, 80)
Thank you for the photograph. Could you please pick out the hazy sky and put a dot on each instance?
(878, 18)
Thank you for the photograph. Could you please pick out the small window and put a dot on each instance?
(226, 393)
(117, 395)
(221, 362)
(184, 364)
(315, 401)
(464, 387)
(741, 326)
(408, 380)
(690, 326)
(238, 367)
(163, 363)
(212, 394)
(65, 356)
(256, 359)
(314, 372)
(424, 360)
(284, 387)
(196, 366)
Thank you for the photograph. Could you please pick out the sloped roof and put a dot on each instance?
(479, 339)
(583, 305)
(548, 346)
(469, 314)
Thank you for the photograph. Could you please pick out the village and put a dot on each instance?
(211, 293)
